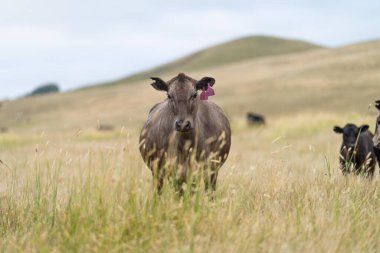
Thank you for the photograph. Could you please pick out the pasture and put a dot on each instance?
(66, 187)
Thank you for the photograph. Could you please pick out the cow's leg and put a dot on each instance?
(377, 154)
(206, 179)
(344, 166)
(210, 178)
(158, 184)
(195, 178)
(179, 178)
(213, 178)
(369, 167)
(178, 186)
(158, 180)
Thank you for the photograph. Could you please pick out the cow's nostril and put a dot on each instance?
(188, 125)
(178, 125)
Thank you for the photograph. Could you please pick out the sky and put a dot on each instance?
(78, 43)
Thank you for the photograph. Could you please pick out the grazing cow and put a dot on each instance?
(376, 138)
(255, 119)
(185, 133)
(357, 150)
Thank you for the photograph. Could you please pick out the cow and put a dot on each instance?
(356, 150)
(105, 127)
(376, 138)
(185, 134)
(255, 119)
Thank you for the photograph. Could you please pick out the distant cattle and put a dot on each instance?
(376, 138)
(255, 119)
(185, 134)
(356, 150)
(105, 127)
(3, 129)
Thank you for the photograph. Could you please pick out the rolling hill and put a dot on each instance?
(238, 50)
(321, 80)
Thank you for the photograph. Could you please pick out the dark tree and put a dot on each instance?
(45, 89)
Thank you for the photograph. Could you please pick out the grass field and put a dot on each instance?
(65, 187)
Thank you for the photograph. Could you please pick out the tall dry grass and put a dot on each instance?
(280, 190)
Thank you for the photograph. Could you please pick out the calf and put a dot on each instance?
(357, 150)
(185, 133)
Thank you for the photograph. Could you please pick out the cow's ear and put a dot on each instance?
(338, 130)
(159, 84)
(363, 128)
(204, 82)
(377, 104)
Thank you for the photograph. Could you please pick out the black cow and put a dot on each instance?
(376, 138)
(357, 150)
(377, 104)
(255, 119)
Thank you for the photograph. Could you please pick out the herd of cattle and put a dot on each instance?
(186, 134)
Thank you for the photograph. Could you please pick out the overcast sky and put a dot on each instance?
(80, 42)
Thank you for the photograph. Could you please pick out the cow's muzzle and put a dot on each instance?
(183, 125)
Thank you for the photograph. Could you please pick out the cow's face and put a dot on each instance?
(377, 104)
(350, 134)
(376, 137)
(378, 125)
(182, 98)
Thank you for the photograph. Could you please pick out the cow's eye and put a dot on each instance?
(169, 97)
(193, 96)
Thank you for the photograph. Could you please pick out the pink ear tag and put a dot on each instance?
(210, 91)
(204, 95)
(207, 93)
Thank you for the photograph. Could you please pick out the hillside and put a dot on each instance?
(325, 80)
(238, 50)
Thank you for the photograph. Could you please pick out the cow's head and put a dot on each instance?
(350, 134)
(377, 104)
(182, 98)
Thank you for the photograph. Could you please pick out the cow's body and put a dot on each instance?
(376, 138)
(170, 151)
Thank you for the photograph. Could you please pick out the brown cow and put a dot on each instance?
(185, 134)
